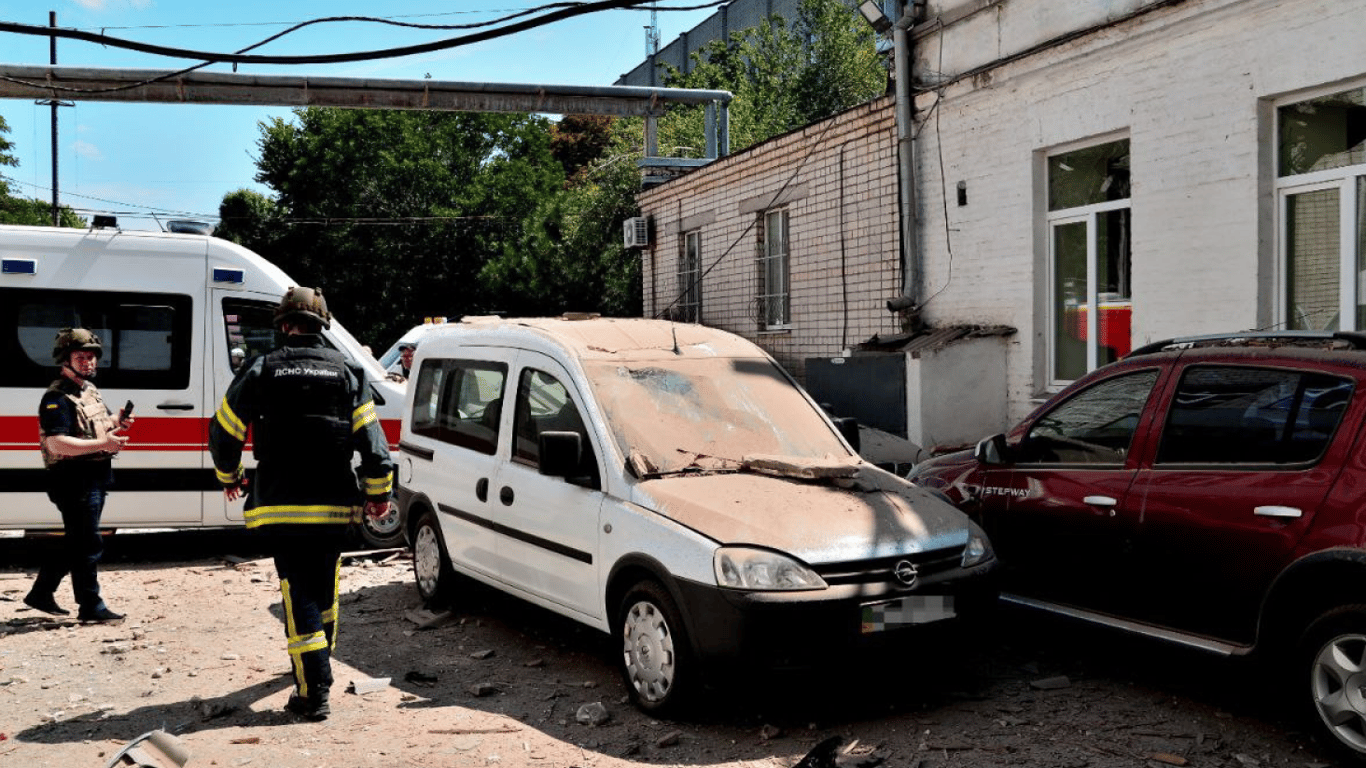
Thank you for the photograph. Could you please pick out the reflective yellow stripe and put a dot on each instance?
(362, 416)
(330, 615)
(226, 478)
(296, 661)
(302, 644)
(229, 421)
(375, 486)
(285, 513)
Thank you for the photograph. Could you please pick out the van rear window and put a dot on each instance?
(146, 336)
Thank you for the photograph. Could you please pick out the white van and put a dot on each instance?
(671, 485)
(174, 312)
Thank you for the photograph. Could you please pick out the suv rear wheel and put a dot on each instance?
(656, 663)
(1332, 661)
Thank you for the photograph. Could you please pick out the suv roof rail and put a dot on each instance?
(1330, 339)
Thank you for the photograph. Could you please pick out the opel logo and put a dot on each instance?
(905, 572)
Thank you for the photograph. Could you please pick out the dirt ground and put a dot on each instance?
(201, 655)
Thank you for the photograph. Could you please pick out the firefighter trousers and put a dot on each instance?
(309, 582)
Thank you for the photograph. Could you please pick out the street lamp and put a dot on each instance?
(872, 11)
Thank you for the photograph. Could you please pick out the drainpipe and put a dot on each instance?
(911, 259)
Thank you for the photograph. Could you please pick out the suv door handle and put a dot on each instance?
(481, 489)
(1100, 501)
(1272, 510)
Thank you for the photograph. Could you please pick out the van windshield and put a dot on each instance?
(673, 412)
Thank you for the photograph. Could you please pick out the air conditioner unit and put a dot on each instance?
(636, 232)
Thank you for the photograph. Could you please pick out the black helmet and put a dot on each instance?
(74, 339)
(303, 302)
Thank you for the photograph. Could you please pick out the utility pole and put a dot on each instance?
(54, 103)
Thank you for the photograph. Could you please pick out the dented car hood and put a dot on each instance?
(871, 514)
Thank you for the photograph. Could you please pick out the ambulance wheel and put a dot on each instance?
(383, 532)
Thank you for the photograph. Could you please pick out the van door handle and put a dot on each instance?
(505, 496)
(481, 489)
(1273, 510)
(1100, 501)
(175, 407)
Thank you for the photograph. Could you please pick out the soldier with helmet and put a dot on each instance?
(79, 438)
(308, 412)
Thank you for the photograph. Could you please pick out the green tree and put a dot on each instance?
(23, 210)
(782, 77)
(394, 213)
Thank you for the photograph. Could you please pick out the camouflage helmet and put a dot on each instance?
(303, 302)
(74, 339)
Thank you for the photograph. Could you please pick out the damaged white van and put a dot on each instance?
(671, 485)
(176, 314)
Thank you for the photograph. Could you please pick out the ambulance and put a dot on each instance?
(177, 313)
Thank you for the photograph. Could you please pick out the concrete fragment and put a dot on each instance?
(483, 689)
(154, 749)
(1050, 683)
(770, 732)
(486, 653)
(669, 739)
(593, 714)
(367, 685)
(1169, 759)
(426, 619)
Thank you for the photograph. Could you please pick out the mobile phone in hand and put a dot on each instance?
(127, 411)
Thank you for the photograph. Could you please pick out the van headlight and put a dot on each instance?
(762, 570)
(978, 549)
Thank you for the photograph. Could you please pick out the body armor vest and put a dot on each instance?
(93, 421)
(304, 411)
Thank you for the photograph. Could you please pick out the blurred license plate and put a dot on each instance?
(916, 609)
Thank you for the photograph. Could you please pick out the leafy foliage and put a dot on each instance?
(783, 78)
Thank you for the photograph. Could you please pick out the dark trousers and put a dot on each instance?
(81, 507)
(309, 579)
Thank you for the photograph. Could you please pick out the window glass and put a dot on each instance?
(1313, 258)
(773, 272)
(544, 405)
(459, 402)
(250, 328)
(1228, 415)
(1089, 176)
(690, 279)
(1323, 133)
(1095, 426)
(146, 337)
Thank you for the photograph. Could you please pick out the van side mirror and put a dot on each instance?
(561, 453)
(992, 450)
(848, 427)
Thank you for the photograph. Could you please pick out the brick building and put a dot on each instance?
(1096, 174)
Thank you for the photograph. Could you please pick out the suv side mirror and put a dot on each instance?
(561, 453)
(992, 450)
(848, 427)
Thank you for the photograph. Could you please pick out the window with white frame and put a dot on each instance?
(1090, 305)
(690, 278)
(775, 303)
(1321, 191)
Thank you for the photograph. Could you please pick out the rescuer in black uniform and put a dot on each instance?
(309, 412)
(79, 440)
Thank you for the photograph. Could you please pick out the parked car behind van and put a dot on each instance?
(177, 313)
(1208, 491)
(671, 485)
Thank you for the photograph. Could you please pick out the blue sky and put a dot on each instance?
(179, 160)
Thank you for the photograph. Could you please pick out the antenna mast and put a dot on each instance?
(652, 33)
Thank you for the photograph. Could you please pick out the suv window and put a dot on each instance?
(460, 402)
(1095, 426)
(146, 336)
(1239, 415)
(544, 405)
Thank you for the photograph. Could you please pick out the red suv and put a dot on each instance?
(1209, 491)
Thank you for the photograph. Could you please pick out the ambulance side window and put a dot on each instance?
(145, 336)
(250, 327)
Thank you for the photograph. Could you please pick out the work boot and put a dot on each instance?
(99, 615)
(313, 707)
(44, 604)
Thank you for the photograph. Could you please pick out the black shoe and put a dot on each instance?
(100, 615)
(45, 604)
(310, 708)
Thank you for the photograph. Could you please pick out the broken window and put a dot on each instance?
(690, 279)
(774, 300)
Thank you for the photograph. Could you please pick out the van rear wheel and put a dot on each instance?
(431, 565)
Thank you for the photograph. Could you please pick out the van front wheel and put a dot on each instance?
(432, 569)
(656, 662)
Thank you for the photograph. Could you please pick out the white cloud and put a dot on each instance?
(87, 150)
